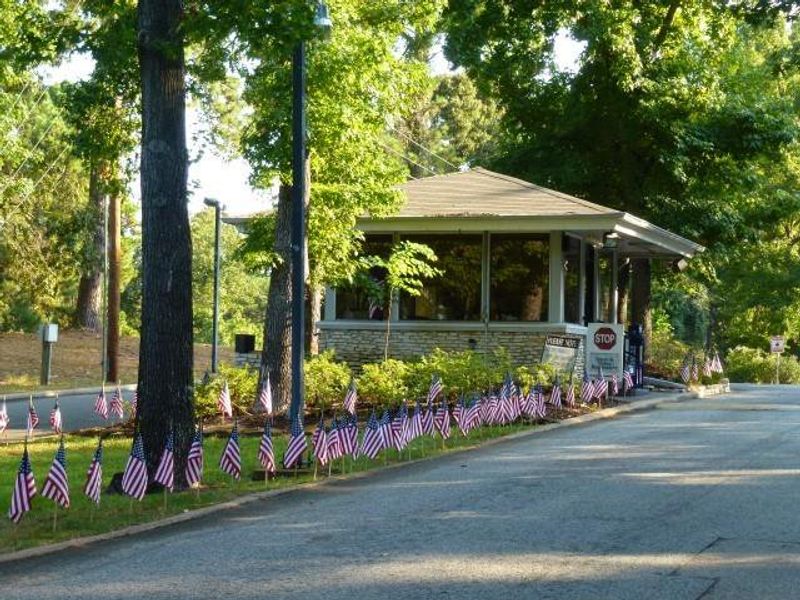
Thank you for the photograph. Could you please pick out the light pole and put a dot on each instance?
(323, 22)
(215, 325)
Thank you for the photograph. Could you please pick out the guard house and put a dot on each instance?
(520, 262)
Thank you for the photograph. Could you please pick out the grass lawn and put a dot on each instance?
(115, 512)
(76, 360)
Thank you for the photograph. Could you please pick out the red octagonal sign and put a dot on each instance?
(605, 338)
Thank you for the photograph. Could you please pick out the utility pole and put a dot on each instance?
(215, 325)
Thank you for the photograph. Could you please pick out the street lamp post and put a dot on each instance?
(215, 325)
(323, 22)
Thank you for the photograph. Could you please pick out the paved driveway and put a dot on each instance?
(693, 500)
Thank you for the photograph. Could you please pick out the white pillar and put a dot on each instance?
(582, 282)
(597, 290)
(486, 283)
(555, 312)
(614, 285)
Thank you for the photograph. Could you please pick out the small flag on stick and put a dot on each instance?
(231, 460)
(194, 461)
(55, 418)
(297, 444)
(165, 473)
(56, 484)
(94, 476)
(33, 416)
(24, 489)
(100, 404)
(134, 478)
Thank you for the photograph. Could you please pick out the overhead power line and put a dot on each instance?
(423, 148)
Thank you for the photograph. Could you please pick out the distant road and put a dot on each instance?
(697, 499)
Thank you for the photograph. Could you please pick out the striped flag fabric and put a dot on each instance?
(194, 460)
(100, 404)
(55, 418)
(224, 405)
(400, 428)
(231, 460)
(319, 441)
(717, 363)
(266, 451)
(587, 389)
(56, 484)
(442, 420)
(348, 435)
(614, 384)
(427, 420)
(265, 396)
(569, 399)
(371, 444)
(686, 369)
(94, 476)
(116, 407)
(33, 416)
(385, 430)
(135, 401)
(627, 381)
(707, 367)
(335, 433)
(541, 405)
(297, 444)
(165, 472)
(24, 489)
(459, 413)
(415, 426)
(4, 420)
(435, 388)
(134, 478)
(555, 394)
(350, 398)
(695, 372)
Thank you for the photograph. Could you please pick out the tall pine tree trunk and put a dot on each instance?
(165, 351)
(640, 297)
(90, 287)
(276, 357)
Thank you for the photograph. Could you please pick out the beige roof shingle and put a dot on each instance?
(480, 192)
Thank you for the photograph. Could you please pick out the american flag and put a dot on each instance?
(335, 434)
(94, 476)
(319, 440)
(587, 389)
(385, 430)
(614, 384)
(24, 489)
(56, 484)
(427, 420)
(472, 416)
(349, 435)
(134, 479)
(442, 420)
(400, 428)
(435, 388)
(627, 381)
(555, 394)
(686, 369)
(33, 416)
(717, 363)
(570, 397)
(265, 395)
(55, 418)
(194, 460)
(100, 404)
(116, 406)
(4, 420)
(707, 367)
(350, 398)
(266, 452)
(541, 405)
(135, 401)
(224, 401)
(371, 444)
(415, 427)
(695, 373)
(165, 473)
(297, 444)
(458, 414)
(231, 460)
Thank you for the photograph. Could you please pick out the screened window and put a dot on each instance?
(353, 301)
(519, 277)
(455, 295)
(572, 290)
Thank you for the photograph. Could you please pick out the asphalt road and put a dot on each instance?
(692, 500)
(77, 412)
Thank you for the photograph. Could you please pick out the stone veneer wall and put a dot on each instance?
(358, 346)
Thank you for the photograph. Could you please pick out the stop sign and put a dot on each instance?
(605, 338)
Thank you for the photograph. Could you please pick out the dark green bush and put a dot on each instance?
(242, 384)
(326, 380)
(753, 365)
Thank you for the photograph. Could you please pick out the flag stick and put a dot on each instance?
(55, 516)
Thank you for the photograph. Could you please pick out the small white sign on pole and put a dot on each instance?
(777, 344)
(604, 349)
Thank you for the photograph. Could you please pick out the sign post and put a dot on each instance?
(604, 348)
(777, 345)
(49, 333)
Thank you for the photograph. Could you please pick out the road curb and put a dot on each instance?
(81, 542)
(62, 393)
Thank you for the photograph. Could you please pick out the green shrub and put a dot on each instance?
(384, 382)
(325, 380)
(665, 355)
(242, 384)
(530, 376)
(753, 365)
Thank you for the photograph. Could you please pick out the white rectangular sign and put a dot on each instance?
(604, 349)
(777, 344)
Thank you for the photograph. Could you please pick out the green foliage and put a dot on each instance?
(243, 292)
(242, 385)
(384, 382)
(665, 354)
(757, 366)
(325, 380)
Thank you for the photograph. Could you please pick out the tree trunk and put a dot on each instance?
(114, 254)
(640, 297)
(90, 291)
(165, 355)
(314, 317)
(276, 356)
